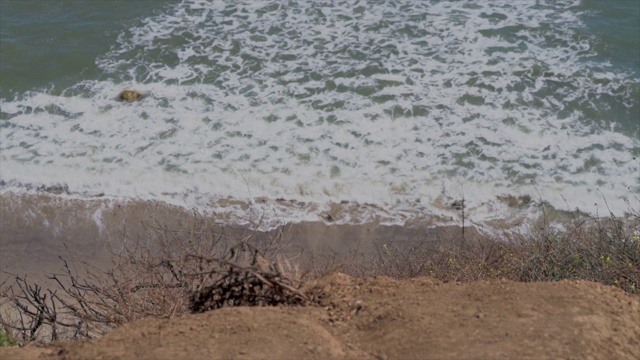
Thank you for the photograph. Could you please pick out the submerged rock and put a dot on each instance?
(131, 95)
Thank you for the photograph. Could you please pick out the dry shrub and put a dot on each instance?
(171, 272)
(166, 274)
(232, 283)
(605, 250)
(390, 261)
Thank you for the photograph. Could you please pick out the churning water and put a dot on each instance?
(400, 106)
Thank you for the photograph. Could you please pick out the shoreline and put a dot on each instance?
(477, 206)
(37, 229)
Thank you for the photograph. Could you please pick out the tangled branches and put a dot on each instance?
(259, 284)
(173, 274)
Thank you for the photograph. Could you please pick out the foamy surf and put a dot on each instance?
(395, 111)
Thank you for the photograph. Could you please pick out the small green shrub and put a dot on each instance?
(6, 340)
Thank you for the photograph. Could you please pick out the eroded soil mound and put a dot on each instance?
(382, 318)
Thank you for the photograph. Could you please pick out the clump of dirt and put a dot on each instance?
(382, 318)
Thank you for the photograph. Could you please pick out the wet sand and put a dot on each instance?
(37, 229)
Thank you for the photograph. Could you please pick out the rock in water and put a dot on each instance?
(131, 95)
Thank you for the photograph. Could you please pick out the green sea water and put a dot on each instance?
(395, 103)
(46, 44)
(54, 44)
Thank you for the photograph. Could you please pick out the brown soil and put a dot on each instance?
(381, 318)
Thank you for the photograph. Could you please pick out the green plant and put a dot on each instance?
(6, 340)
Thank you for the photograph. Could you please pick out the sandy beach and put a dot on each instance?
(38, 229)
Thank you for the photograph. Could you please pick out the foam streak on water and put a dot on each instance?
(401, 105)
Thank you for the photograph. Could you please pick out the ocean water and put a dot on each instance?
(390, 110)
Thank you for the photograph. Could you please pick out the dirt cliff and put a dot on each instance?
(381, 318)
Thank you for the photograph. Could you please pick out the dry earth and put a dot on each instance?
(377, 318)
(381, 318)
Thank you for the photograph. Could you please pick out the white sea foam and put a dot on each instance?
(396, 104)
